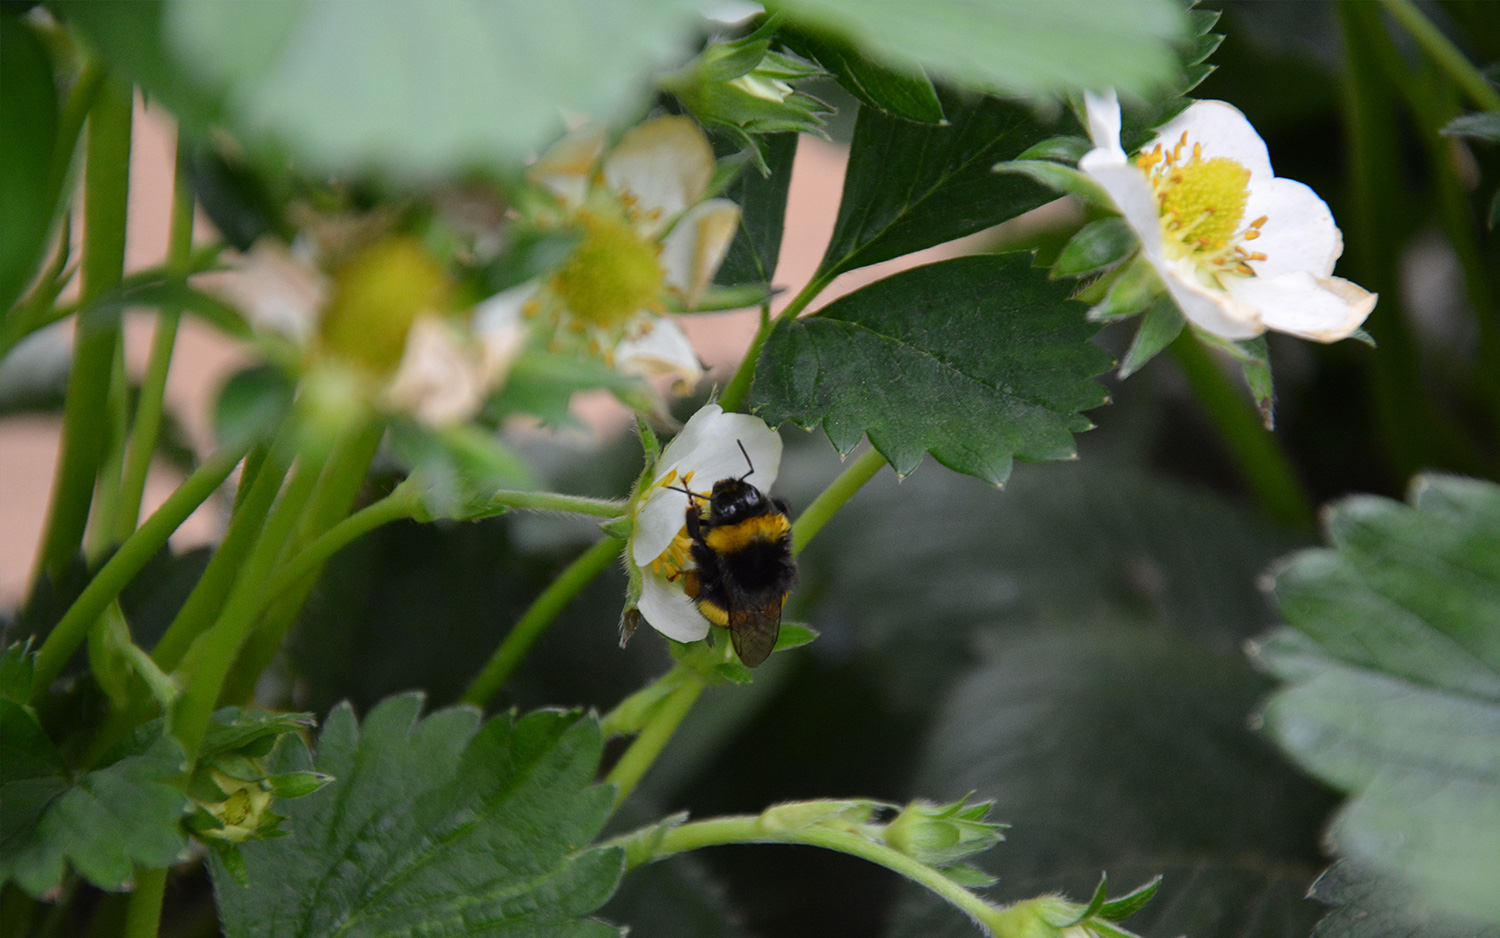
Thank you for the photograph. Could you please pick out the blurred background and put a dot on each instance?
(1070, 646)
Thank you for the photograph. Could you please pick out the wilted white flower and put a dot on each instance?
(1240, 250)
(707, 450)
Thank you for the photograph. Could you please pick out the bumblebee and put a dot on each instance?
(743, 566)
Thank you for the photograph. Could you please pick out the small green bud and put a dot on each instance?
(835, 814)
(239, 815)
(943, 835)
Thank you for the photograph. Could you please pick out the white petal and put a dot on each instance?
(713, 452)
(1103, 111)
(1299, 233)
(1322, 309)
(665, 165)
(1222, 131)
(661, 348)
(1209, 308)
(567, 165)
(695, 247)
(1132, 194)
(669, 610)
(657, 522)
(438, 381)
(275, 290)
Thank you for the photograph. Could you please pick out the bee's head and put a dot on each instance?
(735, 500)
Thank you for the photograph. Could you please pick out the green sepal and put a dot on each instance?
(734, 673)
(234, 863)
(1068, 148)
(641, 845)
(794, 635)
(970, 877)
(1117, 910)
(1100, 244)
(717, 299)
(1131, 288)
(1062, 178)
(840, 814)
(942, 835)
(1161, 324)
(618, 528)
(1096, 901)
(296, 784)
(17, 671)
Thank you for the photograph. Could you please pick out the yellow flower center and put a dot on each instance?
(1202, 202)
(678, 555)
(377, 295)
(611, 275)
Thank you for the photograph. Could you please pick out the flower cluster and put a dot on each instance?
(1239, 250)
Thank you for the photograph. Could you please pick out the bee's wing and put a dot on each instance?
(753, 631)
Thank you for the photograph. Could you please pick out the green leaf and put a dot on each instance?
(1393, 692)
(1011, 45)
(1122, 748)
(977, 360)
(1482, 126)
(762, 201)
(1367, 906)
(902, 94)
(1161, 324)
(17, 669)
(337, 83)
(542, 385)
(436, 826)
(28, 125)
(1130, 288)
(1101, 243)
(101, 824)
(911, 186)
(252, 405)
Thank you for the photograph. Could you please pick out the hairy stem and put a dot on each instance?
(831, 499)
(139, 548)
(543, 610)
(85, 411)
(654, 736)
(1263, 464)
(143, 911)
(147, 425)
(553, 501)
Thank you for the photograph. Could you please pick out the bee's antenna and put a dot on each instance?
(686, 491)
(747, 461)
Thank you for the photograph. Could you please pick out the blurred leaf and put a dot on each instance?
(1123, 749)
(437, 826)
(338, 85)
(977, 360)
(542, 384)
(910, 186)
(252, 404)
(1394, 688)
(99, 824)
(762, 201)
(1011, 45)
(233, 197)
(903, 94)
(1483, 126)
(1101, 243)
(17, 668)
(28, 124)
(1367, 906)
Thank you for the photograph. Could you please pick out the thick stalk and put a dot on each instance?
(1444, 54)
(543, 610)
(663, 722)
(831, 499)
(147, 425)
(139, 548)
(1262, 463)
(99, 536)
(738, 387)
(215, 652)
(143, 912)
(206, 600)
(85, 411)
(750, 829)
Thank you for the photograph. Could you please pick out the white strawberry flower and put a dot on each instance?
(650, 241)
(705, 451)
(1239, 250)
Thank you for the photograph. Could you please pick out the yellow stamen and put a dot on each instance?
(1202, 203)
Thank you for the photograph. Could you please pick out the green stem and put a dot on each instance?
(750, 829)
(139, 548)
(831, 499)
(207, 598)
(538, 617)
(215, 652)
(85, 411)
(398, 505)
(99, 535)
(1444, 54)
(738, 387)
(143, 912)
(660, 726)
(81, 98)
(553, 501)
(1262, 462)
(147, 426)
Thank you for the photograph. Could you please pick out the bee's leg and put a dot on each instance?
(691, 520)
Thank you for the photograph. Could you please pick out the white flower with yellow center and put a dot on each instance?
(707, 450)
(1240, 250)
(649, 241)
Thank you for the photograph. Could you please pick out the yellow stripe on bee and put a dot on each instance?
(713, 613)
(736, 537)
